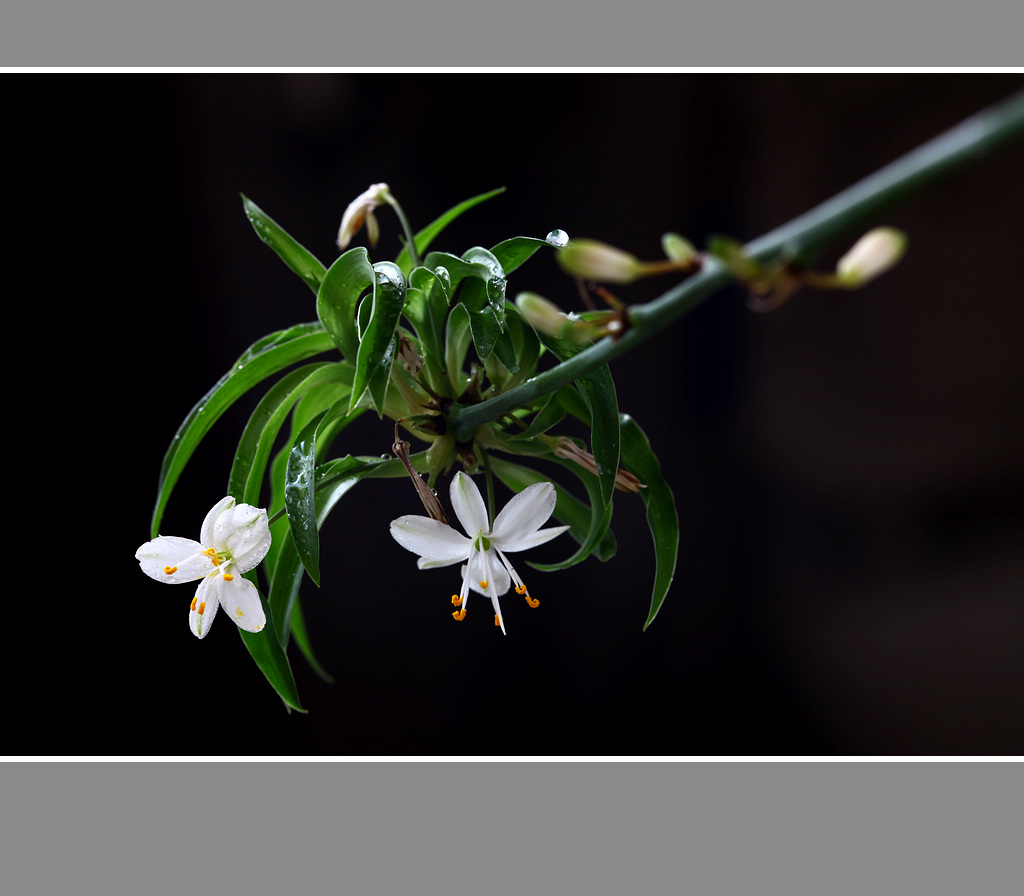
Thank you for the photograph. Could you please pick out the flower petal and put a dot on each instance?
(525, 542)
(241, 601)
(484, 567)
(183, 556)
(206, 533)
(205, 599)
(524, 514)
(435, 542)
(246, 534)
(468, 505)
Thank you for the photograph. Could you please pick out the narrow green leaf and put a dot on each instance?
(662, 517)
(426, 236)
(299, 495)
(337, 300)
(261, 360)
(296, 256)
(332, 480)
(551, 414)
(266, 650)
(376, 351)
(300, 635)
(253, 452)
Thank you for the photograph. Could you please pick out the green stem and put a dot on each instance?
(853, 208)
(410, 241)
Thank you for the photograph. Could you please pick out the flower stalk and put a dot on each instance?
(986, 132)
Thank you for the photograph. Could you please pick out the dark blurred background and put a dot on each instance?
(849, 469)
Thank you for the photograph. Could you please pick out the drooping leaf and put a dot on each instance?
(300, 635)
(376, 351)
(301, 483)
(662, 516)
(266, 650)
(331, 481)
(296, 256)
(264, 358)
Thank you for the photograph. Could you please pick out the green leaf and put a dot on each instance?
(299, 495)
(338, 298)
(551, 414)
(598, 391)
(262, 359)
(301, 637)
(376, 351)
(301, 483)
(253, 452)
(426, 236)
(332, 480)
(266, 650)
(483, 296)
(426, 308)
(662, 517)
(296, 256)
(514, 252)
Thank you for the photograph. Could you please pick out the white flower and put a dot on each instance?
(486, 570)
(234, 539)
(359, 210)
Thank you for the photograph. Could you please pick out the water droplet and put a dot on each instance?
(557, 238)
(441, 272)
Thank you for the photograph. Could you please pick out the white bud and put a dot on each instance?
(872, 255)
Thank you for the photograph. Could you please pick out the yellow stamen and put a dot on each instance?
(459, 615)
(228, 577)
(170, 570)
(497, 621)
(520, 589)
(213, 555)
(532, 601)
(192, 606)
(483, 585)
(202, 607)
(456, 600)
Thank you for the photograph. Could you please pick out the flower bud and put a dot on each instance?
(873, 254)
(359, 210)
(542, 314)
(593, 260)
(677, 248)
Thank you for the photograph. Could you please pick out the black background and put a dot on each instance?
(848, 469)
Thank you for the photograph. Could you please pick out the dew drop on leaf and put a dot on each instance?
(557, 238)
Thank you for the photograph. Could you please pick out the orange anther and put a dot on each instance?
(170, 570)
(228, 577)
(532, 601)
(520, 589)
(456, 600)
(459, 615)
(483, 585)
(202, 607)
(497, 621)
(192, 606)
